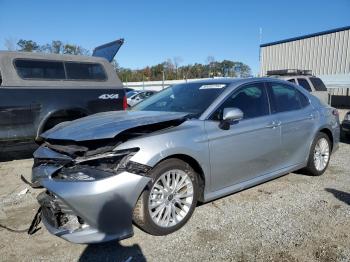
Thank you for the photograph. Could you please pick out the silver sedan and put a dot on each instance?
(190, 143)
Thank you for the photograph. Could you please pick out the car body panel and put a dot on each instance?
(296, 128)
(232, 166)
(109, 50)
(100, 203)
(107, 125)
(346, 123)
(188, 139)
(346, 126)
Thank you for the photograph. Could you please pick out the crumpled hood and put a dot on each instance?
(107, 125)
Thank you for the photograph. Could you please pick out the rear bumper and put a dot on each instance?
(346, 126)
(102, 207)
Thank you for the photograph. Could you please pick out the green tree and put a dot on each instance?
(74, 49)
(27, 45)
(56, 47)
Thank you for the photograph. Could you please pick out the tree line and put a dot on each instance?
(169, 69)
(55, 47)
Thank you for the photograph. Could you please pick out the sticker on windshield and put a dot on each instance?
(213, 86)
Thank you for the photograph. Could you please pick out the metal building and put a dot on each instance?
(326, 53)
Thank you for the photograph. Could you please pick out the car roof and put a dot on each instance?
(47, 56)
(291, 76)
(235, 81)
(223, 80)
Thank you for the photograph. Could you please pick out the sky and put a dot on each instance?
(157, 30)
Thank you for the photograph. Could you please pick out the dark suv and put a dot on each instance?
(38, 91)
(346, 124)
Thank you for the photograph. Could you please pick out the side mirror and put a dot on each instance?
(229, 116)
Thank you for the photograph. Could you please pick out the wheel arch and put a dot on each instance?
(70, 113)
(329, 133)
(196, 167)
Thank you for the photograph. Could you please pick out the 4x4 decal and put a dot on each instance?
(109, 96)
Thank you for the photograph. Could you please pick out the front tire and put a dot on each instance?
(169, 200)
(319, 155)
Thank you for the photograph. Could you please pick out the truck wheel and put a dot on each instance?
(169, 201)
(319, 155)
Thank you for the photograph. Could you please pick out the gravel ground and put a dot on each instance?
(292, 218)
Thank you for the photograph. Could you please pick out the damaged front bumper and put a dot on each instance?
(85, 211)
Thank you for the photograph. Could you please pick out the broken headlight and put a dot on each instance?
(100, 166)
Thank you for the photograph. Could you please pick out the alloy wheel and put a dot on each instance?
(170, 198)
(321, 154)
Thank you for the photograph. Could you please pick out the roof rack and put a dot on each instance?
(288, 72)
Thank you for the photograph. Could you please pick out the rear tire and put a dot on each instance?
(169, 200)
(319, 155)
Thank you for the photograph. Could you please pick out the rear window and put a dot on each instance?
(318, 84)
(84, 71)
(305, 84)
(31, 69)
(59, 70)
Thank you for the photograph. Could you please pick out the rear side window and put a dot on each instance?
(305, 84)
(59, 70)
(84, 71)
(291, 80)
(286, 98)
(318, 84)
(37, 69)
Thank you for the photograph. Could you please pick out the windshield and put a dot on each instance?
(192, 98)
(131, 93)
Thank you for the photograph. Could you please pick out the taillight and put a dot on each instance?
(125, 103)
(335, 112)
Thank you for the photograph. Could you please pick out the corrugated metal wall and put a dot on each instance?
(326, 54)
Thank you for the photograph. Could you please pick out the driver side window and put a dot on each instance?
(251, 99)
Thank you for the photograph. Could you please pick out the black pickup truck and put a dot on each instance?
(38, 91)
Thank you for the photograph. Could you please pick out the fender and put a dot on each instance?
(328, 127)
(50, 114)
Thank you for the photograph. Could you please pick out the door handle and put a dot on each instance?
(274, 124)
(271, 125)
(311, 116)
